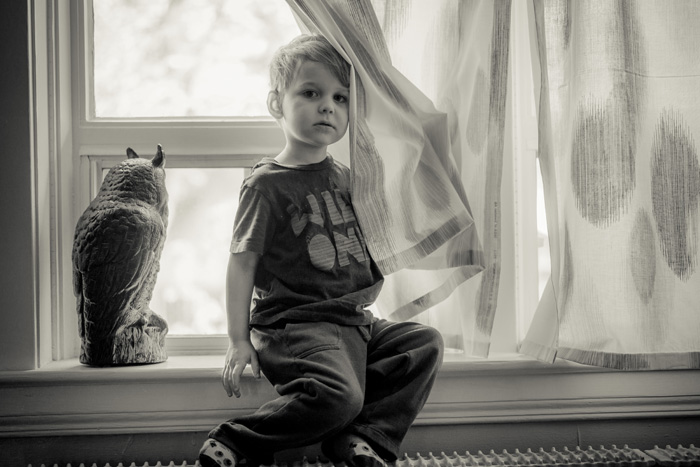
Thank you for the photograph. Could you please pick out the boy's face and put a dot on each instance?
(314, 107)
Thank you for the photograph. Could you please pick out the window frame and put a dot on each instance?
(236, 141)
(523, 75)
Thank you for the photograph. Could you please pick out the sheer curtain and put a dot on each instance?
(426, 153)
(619, 121)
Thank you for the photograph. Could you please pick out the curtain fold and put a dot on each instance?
(619, 121)
(424, 151)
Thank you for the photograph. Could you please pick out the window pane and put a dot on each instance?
(170, 58)
(190, 291)
(543, 256)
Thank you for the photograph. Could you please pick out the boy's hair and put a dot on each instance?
(307, 47)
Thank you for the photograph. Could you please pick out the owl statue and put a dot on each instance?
(116, 257)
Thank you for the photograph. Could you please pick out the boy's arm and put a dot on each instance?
(239, 289)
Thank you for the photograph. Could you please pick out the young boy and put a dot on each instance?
(344, 378)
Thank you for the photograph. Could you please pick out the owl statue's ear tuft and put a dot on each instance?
(131, 154)
(159, 159)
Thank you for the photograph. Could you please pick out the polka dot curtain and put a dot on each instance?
(619, 125)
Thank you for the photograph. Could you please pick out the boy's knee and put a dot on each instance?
(432, 338)
(432, 344)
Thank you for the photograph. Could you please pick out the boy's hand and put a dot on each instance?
(239, 354)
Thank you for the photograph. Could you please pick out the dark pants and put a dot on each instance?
(366, 380)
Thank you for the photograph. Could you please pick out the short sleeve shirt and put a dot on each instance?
(314, 263)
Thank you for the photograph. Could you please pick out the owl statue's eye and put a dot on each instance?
(116, 255)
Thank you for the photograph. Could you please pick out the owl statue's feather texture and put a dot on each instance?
(116, 258)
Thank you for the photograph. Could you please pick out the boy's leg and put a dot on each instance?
(402, 362)
(314, 368)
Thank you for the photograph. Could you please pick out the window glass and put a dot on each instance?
(186, 58)
(543, 257)
(190, 292)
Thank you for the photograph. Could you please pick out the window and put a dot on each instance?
(185, 58)
(189, 293)
(192, 76)
(190, 289)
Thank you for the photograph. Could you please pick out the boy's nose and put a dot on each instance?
(326, 107)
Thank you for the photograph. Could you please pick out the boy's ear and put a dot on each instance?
(274, 106)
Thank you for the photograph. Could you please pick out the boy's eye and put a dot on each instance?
(342, 99)
(309, 93)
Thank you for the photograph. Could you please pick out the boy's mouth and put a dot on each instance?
(325, 124)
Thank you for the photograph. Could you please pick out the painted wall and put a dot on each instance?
(17, 248)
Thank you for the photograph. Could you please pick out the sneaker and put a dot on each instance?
(353, 451)
(362, 455)
(215, 454)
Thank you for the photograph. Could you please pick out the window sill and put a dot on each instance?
(184, 367)
(185, 394)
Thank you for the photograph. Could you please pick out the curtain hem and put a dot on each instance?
(435, 296)
(448, 231)
(480, 349)
(640, 361)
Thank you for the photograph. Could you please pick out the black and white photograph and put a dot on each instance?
(350, 233)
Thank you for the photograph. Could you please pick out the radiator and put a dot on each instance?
(602, 457)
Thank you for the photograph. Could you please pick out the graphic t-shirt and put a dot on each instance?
(314, 263)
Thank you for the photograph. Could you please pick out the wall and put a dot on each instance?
(17, 248)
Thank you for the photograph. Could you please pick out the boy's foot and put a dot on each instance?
(354, 451)
(215, 454)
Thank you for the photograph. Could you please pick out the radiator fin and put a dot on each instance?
(676, 457)
(590, 457)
